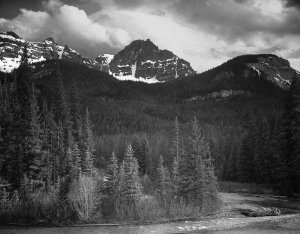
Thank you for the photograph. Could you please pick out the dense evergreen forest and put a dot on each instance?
(77, 144)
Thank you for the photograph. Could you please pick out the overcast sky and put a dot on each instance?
(204, 32)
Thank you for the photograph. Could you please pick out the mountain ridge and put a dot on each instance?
(160, 68)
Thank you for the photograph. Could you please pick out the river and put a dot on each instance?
(231, 226)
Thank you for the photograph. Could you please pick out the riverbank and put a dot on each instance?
(228, 218)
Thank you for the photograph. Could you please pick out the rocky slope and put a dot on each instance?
(11, 50)
(274, 69)
(143, 60)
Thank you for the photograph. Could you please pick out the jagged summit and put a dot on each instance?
(11, 50)
(142, 60)
(142, 44)
(10, 33)
(50, 39)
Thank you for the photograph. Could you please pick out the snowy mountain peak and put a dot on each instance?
(11, 50)
(143, 61)
(49, 40)
(10, 33)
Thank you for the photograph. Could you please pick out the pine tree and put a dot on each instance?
(75, 112)
(191, 168)
(177, 144)
(34, 141)
(87, 145)
(275, 170)
(141, 152)
(175, 176)
(61, 109)
(177, 153)
(164, 184)
(290, 137)
(132, 187)
(111, 184)
(245, 162)
(199, 151)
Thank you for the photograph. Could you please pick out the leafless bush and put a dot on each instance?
(83, 197)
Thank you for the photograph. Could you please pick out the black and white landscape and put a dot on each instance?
(180, 114)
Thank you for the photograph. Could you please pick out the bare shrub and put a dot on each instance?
(83, 197)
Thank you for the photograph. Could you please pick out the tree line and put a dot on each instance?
(268, 151)
(43, 143)
(189, 182)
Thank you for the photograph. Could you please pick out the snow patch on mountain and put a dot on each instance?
(274, 69)
(133, 69)
(137, 79)
(108, 57)
(255, 69)
(7, 65)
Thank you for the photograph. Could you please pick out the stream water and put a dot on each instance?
(143, 229)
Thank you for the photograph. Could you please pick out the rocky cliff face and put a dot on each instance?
(142, 60)
(275, 69)
(11, 50)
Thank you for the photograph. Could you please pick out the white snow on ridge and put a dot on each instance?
(36, 60)
(255, 69)
(60, 51)
(137, 79)
(7, 65)
(133, 69)
(176, 68)
(3, 35)
(149, 61)
(108, 57)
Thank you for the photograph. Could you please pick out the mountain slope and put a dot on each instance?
(11, 50)
(139, 61)
(142, 60)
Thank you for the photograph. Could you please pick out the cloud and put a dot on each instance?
(67, 24)
(205, 33)
(292, 3)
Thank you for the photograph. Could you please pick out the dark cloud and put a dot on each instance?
(11, 8)
(67, 24)
(129, 3)
(292, 3)
(232, 20)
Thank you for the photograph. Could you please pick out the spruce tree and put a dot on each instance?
(290, 137)
(61, 108)
(87, 145)
(111, 184)
(132, 187)
(191, 168)
(164, 184)
(75, 112)
(177, 153)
